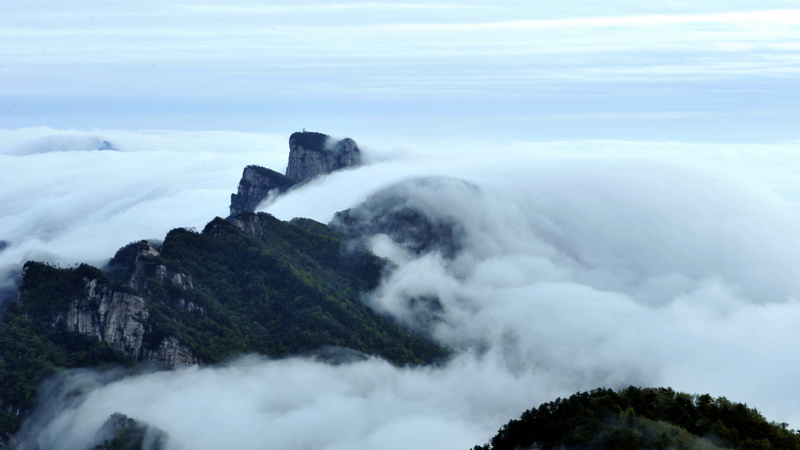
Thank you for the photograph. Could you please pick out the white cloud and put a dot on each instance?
(584, 264)
(76, 204)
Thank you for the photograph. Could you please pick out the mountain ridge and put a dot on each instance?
(311, 154)
(249, 283)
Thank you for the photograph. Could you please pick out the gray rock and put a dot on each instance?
(312, 154)
(255, 186)
(145, 255)
(250, 224)
(111, 316)
(172, 352)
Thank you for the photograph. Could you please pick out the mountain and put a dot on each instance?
(120, 432)
(396, 211)
(253, 284)
(649, 418)
(311, 154)
(256, 184)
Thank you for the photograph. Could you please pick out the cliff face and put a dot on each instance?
(172, 352)
(86, 301)
(256, 184)
(119, 319)
(114, 317)
(312, 154)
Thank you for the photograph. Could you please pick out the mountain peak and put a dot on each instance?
(312, 154)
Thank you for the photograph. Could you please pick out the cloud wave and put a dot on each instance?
(580, 265)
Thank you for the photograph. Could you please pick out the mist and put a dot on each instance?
(65, 201)
(577, 265)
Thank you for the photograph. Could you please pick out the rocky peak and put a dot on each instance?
(312, 154)
(171, 352)
(146, 254)
(256, 184)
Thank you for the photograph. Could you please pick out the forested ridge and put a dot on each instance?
(284, 288)
(292, 289)
(642, 418)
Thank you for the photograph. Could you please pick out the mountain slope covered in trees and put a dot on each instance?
(251, 285)
(650, 418)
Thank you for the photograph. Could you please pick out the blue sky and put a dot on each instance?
(664, 70)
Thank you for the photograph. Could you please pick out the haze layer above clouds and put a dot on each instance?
(707, 70)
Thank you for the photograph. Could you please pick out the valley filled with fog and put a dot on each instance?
(574, 265)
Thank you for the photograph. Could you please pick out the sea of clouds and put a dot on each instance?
(583, 265)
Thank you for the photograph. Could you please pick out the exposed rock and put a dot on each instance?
(145, 255)
(255, 186)
(110, 312)
(3, 245)
(172, 352)
(312, 154)
(249, 223)
(181, 279)
(111, 316)
(191, 307)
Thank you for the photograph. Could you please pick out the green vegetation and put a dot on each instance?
(120, 432)
(289, 289)
(292, 289)
(634, 418)
(33, 347)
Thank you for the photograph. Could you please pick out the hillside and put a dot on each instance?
(252, 285)
(650, 418)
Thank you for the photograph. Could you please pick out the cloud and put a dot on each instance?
(580, 265)
(78, 204)
(677, 66)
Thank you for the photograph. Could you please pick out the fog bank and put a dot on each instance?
(580, 265)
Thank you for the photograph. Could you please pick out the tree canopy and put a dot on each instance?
(636, 418)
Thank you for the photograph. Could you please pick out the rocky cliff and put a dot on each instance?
(115, 317)
(255, 186)
(95, 306)
(312, 154)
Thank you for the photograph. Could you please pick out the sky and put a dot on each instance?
(659, 70)
(627, 176)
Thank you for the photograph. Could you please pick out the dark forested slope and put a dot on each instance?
(634, 418)
(254, 284)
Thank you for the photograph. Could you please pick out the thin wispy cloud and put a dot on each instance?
(265, 62)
